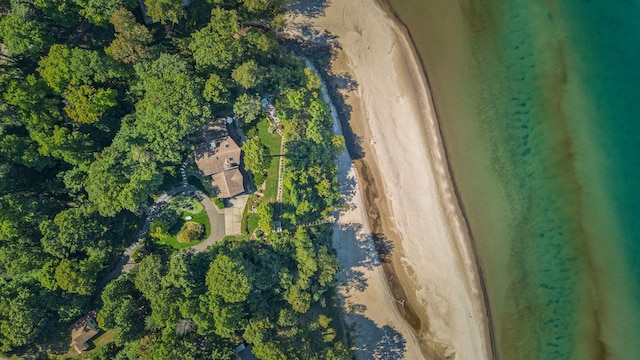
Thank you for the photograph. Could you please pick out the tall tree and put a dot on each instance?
(165, 11)
(78, 277)
(63, 142)
(71, 231)
(265, 213)
(99, 11)
(117, 182)
(172, 106)
(21, 319)
(87, 104)
(248, 107)
(256, 155)
(65, 66)
(215, 45)
(131, 39)
(216, 90)
(60, 12)
(122, 310)
(23, 37)
(228, 278)
(248, 74)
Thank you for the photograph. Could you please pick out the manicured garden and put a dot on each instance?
(182, 224)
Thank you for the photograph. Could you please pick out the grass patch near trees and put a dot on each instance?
(252, 222)
(272, 142)
(105, 338)
(198, 215)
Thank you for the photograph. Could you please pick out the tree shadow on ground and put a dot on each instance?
(309, 8)
(384, 247)
(347, 181)
(355, 280)
(360, 249)
(383, 343)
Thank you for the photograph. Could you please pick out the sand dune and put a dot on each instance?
(409, 197)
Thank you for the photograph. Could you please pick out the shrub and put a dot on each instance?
(265, 212)
(159, 229)
(190, 231)
(259, 178)
(219, 203)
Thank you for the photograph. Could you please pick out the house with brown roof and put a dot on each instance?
(84, 330)
(218, 156)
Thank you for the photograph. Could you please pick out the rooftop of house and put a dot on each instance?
(217, 155)
(83, 330)
(228, 183)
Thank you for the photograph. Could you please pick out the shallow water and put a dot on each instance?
(537, 102)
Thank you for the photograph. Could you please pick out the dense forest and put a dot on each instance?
(98, 111)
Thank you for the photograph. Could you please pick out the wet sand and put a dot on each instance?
(430, 272)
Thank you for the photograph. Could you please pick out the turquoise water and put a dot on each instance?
(538, 102)
(607, 38)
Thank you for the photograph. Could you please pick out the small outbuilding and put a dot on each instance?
(84, 330)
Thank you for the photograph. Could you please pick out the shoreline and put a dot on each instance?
(453, 319)
(383, 335)
(471, 241)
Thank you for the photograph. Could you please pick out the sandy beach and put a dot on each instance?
(424, 299)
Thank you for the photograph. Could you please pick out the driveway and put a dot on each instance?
(216, 219)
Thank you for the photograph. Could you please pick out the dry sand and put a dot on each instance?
(409, 195)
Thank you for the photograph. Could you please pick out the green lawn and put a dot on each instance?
(271, 141)
(252, 222)
(104, 339)
(198, 215)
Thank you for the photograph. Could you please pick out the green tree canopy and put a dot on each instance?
(256, 155)
(64, 66)
(122, 310)
(20, 320)
(63, 142)
(60, 12)
(87, 104)
(70, 232)
(215, 90)
(78, 276)
(229, 279)
(172, 106)
(215, 45)
(248, 74)
(248, 107)
(99, 11)
(23, 37)
(132, 40)
(165, 11)
(265, 213)
(117, 181)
